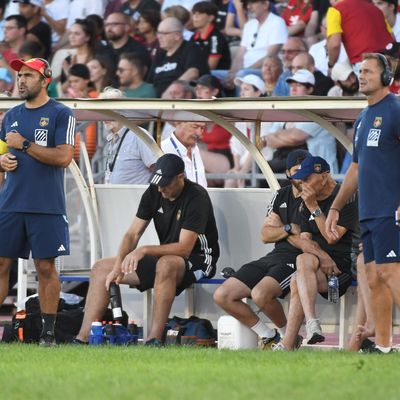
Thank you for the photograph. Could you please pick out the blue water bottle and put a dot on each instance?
(96, 337)
(333, 289)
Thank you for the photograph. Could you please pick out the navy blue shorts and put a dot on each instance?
(380, 240)
(46, 235)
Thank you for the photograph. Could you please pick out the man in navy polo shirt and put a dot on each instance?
(375, 170)
(40, 135)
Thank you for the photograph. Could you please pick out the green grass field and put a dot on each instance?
(67, 372)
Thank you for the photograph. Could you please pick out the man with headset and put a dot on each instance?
(40, 136)
(375, 170)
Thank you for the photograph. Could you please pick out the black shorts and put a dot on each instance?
(345, 278)
(195, 269)
(280, 266)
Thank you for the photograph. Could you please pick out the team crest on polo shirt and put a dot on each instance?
(317, 168)
(373, 137)
(377, 122)
(43, 122)
(178, 215)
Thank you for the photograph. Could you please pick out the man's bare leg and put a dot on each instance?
(49, 285)
(170, 271)
(5, 265)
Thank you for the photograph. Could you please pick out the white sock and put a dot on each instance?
(262, 330)
(282, 330)
(384, 349)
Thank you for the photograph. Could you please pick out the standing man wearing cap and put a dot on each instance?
(322, 255)
(40, 135)
(375, 172)
(184, 221)
(268, 278)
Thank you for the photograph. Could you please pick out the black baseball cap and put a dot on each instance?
(295, 157)
(209, 81)
(311, 165)
(167, 167)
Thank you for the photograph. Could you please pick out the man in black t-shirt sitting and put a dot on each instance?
(268, 278)
(321, 256)
(184, 220)
(176, 59)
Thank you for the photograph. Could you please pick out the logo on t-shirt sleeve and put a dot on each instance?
(41, 137)
(373, 137)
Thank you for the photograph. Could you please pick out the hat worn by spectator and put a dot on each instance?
(253, 80)
(341, 71)
(167, 167)
(303, 76)
(209, 81)
(311, 165)
(37, 3)
(37, 64)
(296, 157)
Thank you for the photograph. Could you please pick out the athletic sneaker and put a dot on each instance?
(298, 342)
(47, 341)
(314, 332)
(374, 349)
(77, 342)
(153, 343)
(265, 343)
(278, 347)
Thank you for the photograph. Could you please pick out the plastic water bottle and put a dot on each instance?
(115, 301)
(333, 289)
(96, 337)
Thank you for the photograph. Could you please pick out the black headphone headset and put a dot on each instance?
(47, 72)
(387, 74)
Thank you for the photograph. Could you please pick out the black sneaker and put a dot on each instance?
(265, 343)
(373, 349)
(77, 342)
(47, 341)
(367, 344)
(153, 342)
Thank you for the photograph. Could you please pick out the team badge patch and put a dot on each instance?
(41, 137)
(43, 122)
(377, 122)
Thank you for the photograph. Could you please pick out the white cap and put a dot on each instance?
(341, 71)
(37, 3)
(252, 79)
(302, 76)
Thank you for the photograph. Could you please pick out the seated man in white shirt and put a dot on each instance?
(183, 142)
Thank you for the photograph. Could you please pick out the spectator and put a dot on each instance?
(184, 221)
(220, 21)
(290, 50)
(346, 81)
(319, 9)
(188, 4)
(360, 26)
(321, 256)
(3, 6)
(271, 69)
(80, 9)
(297, 14)
(15, 28)
(78, 83)
(183, 15)
(148, 24)
(268, 278)
(101, 72)
(319, 141)
(262, 36)
(322, 82)
(131, 72)
(216, 156)
(319, 52)
(135, 8)
(389, 9)
(129, 159)
(98, 27)
(208, 37)
(250, 86)
(117, 27)
(183, 142)
(37, 30)
(55, 13)
(176, 59)
(235, 19)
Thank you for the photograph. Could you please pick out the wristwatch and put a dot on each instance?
(287, 228)
(25, 145)
(317, 213)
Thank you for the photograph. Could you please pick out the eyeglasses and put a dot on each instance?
(113, 24)
(159, 33)
(253, 43)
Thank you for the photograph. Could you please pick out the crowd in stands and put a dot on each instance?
(203, 49)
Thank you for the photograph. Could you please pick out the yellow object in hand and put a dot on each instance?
(3, 147)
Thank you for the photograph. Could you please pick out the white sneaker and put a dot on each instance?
(278, 347)
(314, 332)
